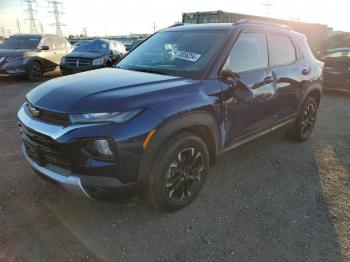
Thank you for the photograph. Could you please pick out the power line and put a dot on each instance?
(31, 18)
(57, 13)
(268, 5)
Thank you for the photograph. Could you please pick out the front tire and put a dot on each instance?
(35, 72)
(178, 173)
(305, 124)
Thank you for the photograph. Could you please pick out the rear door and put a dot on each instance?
(249, 59)
(284, 64)
(46, 56)
(60, 49)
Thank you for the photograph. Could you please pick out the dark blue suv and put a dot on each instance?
(155, 122)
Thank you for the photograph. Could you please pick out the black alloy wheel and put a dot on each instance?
(308, 120)
(178, 172)
(184, 174)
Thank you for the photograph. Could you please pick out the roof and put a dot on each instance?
(39, 35)
(248, 24)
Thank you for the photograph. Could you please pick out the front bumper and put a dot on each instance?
(93, 180)
(71, 183)
(12, 69)
(67, 69)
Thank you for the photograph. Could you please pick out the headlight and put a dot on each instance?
(116, 117)
(98, 61)
(63, 60)
(15, 58)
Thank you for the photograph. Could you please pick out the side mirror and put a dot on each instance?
(227, 74)
(237, 88)
(45, 48)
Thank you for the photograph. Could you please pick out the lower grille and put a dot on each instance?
(43, 149)
(78, 62)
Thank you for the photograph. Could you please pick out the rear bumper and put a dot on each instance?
(339, 81)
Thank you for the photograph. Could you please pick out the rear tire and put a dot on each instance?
(178, 173)
(35, 72)
(305, 123)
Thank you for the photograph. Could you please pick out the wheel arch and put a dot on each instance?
(315, 91)
(201, 124)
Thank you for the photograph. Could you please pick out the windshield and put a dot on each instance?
(175, 53)
(93, 46)
(21, 42)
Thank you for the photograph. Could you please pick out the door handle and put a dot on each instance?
(268, 80)
(306, 71)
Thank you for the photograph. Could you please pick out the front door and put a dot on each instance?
(249, 59)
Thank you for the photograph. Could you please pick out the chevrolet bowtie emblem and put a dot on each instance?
(35, 112)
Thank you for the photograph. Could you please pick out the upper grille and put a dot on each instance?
(43, 149)
(49, 116)
(77, 62)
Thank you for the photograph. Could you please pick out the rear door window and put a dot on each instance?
(248, 53)
(281, 50)
(59, 43)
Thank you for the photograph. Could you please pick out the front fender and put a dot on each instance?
(170, 128)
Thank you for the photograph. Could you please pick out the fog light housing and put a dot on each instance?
(101, 149)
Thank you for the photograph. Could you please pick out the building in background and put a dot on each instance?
(316, 33)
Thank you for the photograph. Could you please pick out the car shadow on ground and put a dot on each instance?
(268, 200)
(23, 79)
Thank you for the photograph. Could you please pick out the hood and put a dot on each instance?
(13, 52)
(85, 55)
(108, 90)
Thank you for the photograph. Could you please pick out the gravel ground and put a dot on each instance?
(269, 200)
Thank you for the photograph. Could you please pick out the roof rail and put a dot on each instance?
(177, 24)
(260, 22)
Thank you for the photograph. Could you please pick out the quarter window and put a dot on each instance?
(281, 50)
(248, 53)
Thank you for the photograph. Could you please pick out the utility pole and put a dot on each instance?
(3, 31)
(154, 27)
(31, 13)
(41, 28)
(18, 26)
(57, 13)
(268, 5)
(8, 30)
(84, 30)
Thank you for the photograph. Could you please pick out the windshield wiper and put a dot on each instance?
(146, 70)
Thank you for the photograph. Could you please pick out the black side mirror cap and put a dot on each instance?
(45, 48)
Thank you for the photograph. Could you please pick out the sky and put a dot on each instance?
(121, 17)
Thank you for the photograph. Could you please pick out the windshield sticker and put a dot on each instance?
(187, 56)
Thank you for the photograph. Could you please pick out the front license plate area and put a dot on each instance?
(34, 153)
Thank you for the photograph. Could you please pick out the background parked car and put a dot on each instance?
(92, 55)
(136, 43)
(337, 69)
(32, 55)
